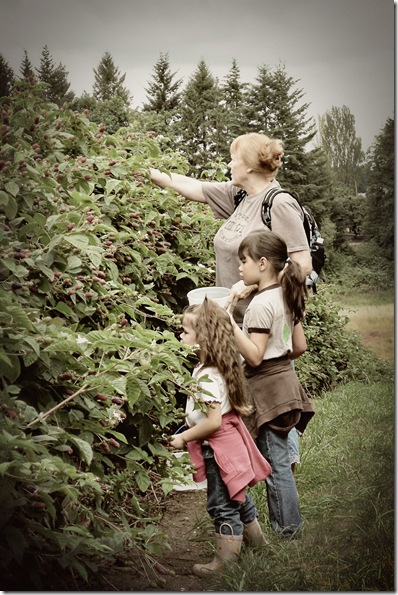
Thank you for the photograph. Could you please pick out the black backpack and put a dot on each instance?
(314, 238)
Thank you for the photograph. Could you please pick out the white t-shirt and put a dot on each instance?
(215, 385)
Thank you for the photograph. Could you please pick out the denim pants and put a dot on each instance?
(220, 507)
(282, 496)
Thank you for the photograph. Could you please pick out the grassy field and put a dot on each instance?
(346, 487)
(371, 316)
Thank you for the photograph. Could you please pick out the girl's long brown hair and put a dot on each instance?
(271, 246)
(215, 335)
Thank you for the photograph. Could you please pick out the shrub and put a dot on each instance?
(96, 265)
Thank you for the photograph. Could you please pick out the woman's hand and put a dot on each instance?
(177, 442)
(238, 291)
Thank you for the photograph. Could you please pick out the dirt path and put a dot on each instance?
(174, 570)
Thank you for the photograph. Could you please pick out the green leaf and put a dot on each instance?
(85, 449)
(95, 255)
(143, 480)
(74, 264)
(11, 209)
(65, 309)
(145, 431)
(12, 187)
(133, 390)
(78, 240)
(119, 436)
(3, 468)
(12, 371)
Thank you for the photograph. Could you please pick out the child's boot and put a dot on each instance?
(227, 550)
(253, 534)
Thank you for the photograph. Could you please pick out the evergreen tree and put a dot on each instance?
(55, 77)
(27, 70)
(234, 101)
(344, 149)
(275, 108)
(200, 118)
(7, 78)
(162, 92)
(108, 81)
(379, 217)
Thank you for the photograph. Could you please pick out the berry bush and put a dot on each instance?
(96, 263)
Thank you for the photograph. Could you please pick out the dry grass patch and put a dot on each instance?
(375, 325)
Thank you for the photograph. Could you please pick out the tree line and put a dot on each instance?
(347, 190)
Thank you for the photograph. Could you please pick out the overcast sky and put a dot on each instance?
(341, 52)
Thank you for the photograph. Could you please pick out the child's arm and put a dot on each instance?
(203, 429)
(251, 348)
(299, 341)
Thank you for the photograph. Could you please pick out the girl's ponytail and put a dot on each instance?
(294, 288)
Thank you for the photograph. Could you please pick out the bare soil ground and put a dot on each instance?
(173, 571)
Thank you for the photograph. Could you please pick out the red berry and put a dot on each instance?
(66, 376)
(38, 505)
(105, 446)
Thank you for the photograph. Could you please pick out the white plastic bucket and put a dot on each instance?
(217, 294)
(191, 485)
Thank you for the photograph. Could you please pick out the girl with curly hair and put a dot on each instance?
(219, 444)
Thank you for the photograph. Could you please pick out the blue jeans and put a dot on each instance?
(220, 507)
(282, 496)
(293, 443)
(294, 451)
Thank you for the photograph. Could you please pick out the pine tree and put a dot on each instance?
(7, 78)
(344, 149)
(162, 92)
(27, 70)
(275, 108)
(234, 105)
(55, 77)
(200, 118)
(108, 82)
(379, 218)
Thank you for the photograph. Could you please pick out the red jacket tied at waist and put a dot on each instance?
(240, 462)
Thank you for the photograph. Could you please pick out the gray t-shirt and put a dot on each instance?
(268, 313)
(287, 221)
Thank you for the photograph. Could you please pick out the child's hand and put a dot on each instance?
(177, 442)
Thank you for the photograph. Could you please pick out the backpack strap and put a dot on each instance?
(267, 205)
(239, 196)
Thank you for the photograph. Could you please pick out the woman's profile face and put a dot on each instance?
(238, 168)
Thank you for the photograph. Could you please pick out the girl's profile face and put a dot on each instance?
(188, 335)
(249, 269)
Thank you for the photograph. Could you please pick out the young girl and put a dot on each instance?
(219, 444)
(270, 337)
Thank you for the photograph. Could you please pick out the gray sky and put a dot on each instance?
(341, 52)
